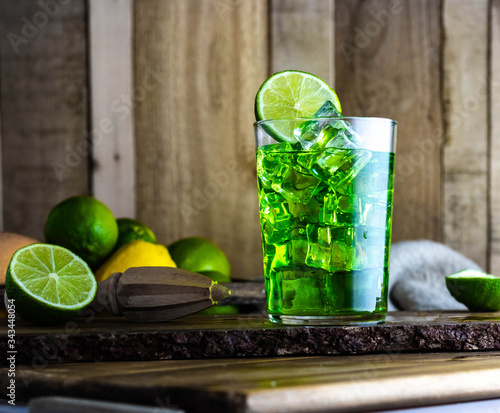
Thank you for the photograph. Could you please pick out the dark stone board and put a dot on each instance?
(93, 338)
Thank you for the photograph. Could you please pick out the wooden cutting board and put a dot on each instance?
(93, 338)
(284, 384)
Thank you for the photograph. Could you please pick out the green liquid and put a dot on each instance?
(326, 228)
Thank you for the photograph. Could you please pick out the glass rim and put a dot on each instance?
(374, 119)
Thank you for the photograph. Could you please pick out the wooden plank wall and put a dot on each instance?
(388, 65)
(465, 153)
(151, 111)
(494, 136)
(195, 168)
(112, 98)
(302, 37)
(44, 103)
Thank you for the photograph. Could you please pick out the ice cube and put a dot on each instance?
(273, 291)
(319, 252)
(274, 148)
(327, 110)
(338, 167)
(307, 133)
(335, 248)
(318, 137)
(275, 208)
(275, 217)
(344, 136)
(294, 185)
(305, 161)
(298, 246)
(313, 134)
(282, 256)
(270, 162)
(277, 256)
(302, 293)
(305, 213)
(328, 209)
(345, 217)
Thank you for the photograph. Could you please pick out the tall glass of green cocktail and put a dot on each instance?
(325, 196)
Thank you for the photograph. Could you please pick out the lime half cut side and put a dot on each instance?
(477, 290)
(291, 94)
(50, 284)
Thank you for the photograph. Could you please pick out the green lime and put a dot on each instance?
(216, 276)
(50, 284)
(477, 290)
(202, 256)
(131, 230)
(85, 226)
(221, 309)
(291, 94)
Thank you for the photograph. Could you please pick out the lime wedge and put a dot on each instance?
(50, 284)
(291, 94)
(477, 290)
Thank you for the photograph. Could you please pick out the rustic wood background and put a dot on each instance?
(148, 106)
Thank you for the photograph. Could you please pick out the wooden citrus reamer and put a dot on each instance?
(153, 294)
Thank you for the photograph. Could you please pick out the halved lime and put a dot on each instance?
(477, 290)
(50, 284)
(291, 94)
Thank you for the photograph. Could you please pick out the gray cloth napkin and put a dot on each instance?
(417, 272)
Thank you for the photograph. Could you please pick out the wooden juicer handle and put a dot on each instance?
(153, 294)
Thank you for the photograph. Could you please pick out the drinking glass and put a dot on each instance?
(325, 198)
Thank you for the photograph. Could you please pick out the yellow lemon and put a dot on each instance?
(135, 254)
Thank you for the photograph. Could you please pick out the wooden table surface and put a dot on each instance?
(241, 363)
(284, 384)
(199, 337)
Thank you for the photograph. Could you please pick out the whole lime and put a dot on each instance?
(85, 226)
(131, 230)
(221, 309)
(202, 256)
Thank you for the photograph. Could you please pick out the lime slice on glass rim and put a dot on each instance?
(50, 284)
(477, 290)
(291, 94)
